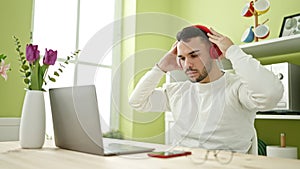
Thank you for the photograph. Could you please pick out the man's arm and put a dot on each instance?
(261, 89)
(146, 97)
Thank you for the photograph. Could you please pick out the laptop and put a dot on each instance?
(76, 123)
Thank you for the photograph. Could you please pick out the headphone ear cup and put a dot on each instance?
(213, 52)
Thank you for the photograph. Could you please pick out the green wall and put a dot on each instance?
(269, 131)
(225, 17)
(15, 19)
(136, 125)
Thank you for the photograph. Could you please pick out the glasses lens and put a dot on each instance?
(199, 156)
(223, 156)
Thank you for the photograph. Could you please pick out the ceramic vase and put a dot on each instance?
(32, 125)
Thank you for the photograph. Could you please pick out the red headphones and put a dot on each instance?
(215, 51)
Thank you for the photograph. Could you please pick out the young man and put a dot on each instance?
(215, 109)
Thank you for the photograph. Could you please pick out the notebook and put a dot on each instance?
(76, 123)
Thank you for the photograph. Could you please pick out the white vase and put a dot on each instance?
(32, 125)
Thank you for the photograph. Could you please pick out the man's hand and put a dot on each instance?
(220, 40)
(168, 62)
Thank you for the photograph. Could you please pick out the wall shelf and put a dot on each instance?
(267, 48)
(273, 47)
(279, 117)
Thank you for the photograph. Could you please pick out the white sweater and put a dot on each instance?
(215, 115)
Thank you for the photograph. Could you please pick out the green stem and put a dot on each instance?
(35, 76)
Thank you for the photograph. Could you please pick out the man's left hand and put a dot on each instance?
(223, 42)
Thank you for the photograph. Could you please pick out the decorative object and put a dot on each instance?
(261, 31)
(282, 152)
(248, 35)
(3, 68)
(32, 126)
(290, 25)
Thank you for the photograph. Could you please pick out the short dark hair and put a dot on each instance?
(190, 32)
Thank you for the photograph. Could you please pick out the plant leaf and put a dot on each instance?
(27, 74)
(56, 73)
(51, 79)
(43, 69)
(26, 81)
(25, 67)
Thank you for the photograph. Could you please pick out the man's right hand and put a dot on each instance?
(169, 62)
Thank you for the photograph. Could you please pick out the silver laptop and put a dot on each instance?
(77, 126)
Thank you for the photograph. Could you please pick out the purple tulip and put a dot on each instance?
(50, 57)
(32, 53)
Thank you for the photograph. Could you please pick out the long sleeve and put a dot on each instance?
(260, 89)
(146, 97)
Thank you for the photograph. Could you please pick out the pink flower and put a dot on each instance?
(3, 69)
(50, 57)
(32, 53)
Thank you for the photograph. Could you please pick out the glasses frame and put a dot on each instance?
(215, 154)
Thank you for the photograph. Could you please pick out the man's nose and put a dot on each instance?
(188, 63)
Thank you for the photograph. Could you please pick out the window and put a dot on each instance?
(66, 26)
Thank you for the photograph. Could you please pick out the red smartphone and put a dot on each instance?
(169, 154)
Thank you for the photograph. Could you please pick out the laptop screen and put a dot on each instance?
(76, 118)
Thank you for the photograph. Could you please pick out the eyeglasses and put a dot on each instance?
(201, 156)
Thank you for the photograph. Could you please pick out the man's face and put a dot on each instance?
(194, 59)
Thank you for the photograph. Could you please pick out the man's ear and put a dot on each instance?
(179, 63)
(213, 52)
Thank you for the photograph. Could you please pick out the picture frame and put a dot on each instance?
(290, 25)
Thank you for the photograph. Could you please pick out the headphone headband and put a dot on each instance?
(206, 30)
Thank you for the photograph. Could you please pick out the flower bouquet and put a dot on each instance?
(35, 73)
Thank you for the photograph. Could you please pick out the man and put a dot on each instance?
(215, 109)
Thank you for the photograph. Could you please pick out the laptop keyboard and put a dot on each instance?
(118, 148)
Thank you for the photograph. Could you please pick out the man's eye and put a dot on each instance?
(193, 56)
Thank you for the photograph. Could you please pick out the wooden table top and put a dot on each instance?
(50, 157)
